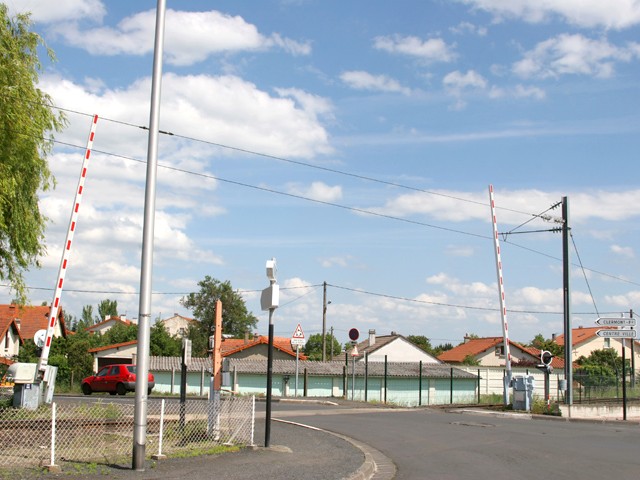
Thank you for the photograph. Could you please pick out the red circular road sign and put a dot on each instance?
(354, 334)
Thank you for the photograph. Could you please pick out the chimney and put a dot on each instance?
(553, 336)
(466, 338)
(123, 317)
(107, 317)
(246, 337)
(372, 337)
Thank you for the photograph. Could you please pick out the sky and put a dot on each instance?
(355, 143)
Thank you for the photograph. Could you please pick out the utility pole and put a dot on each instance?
(566, 269)
(324, 321)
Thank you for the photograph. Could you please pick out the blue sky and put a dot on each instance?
(355, 142)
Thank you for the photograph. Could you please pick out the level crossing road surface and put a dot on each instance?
(437, 444)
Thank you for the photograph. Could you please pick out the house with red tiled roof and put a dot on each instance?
(10, 338)
(257, 348)
(585, 340)
(117, 353)
(393, 348)
(21, 322)
(246, 348)
(108, 323)
(177, 325)
(489, 352)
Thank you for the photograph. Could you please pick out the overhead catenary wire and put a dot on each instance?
(586, 280)
(333, 204)
(314, 287)
(297, 162)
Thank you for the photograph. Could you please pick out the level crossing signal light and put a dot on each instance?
(546, 357)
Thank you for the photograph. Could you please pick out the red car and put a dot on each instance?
(114, 379)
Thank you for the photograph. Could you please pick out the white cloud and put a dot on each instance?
(457, 81)
(317, 191)
(572, 54)
(618, 14)
(224, 109)
(360, 80)
(190, 37)
(467, 27)
(431, 50)
(627, 252)
(336, 261)
(446, 206)
(519, 91)
(623, 301)
(458, 84)
(460, 251)
(314, 105)
(46, 11)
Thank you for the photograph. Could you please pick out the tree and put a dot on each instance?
(26, 119)
(442, 348)
(107, 308)
(550, 345)
(313, 347)
(470, 361)
(422, 342)
(601, 368)
(71, 321)
(236, 320)
(86, 320)
(163, 344)
(120, 333)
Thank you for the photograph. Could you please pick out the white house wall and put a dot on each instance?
(122, 355)
(10, 344)
(401, 350)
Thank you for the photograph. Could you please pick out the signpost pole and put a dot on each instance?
(624, 380)
(297, 362)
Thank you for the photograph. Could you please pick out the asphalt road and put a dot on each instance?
(436, 445)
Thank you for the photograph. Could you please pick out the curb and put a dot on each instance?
(376, 465)
(549, 418)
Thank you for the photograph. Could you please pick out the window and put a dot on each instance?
(500, 351)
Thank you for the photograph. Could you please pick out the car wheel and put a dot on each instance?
(120, 389)
(86, 389)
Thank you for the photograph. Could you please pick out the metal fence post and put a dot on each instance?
(385, 379)
(420, 385)
(451, 387)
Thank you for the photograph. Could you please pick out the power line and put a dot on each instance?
(299, 163)
(287, 194)
(355, 209)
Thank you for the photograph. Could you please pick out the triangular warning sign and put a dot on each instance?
(298, 333)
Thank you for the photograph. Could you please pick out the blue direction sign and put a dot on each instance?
(616, 322)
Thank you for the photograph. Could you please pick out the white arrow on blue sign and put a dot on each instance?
(616, 322)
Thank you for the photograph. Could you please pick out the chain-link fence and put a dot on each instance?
(590, 388)
(102, 432)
